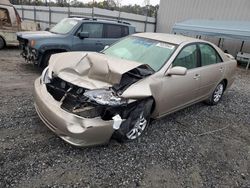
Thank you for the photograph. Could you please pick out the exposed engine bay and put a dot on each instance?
(104, 103)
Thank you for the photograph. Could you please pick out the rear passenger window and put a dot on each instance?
(94, 29)
(187, 57)
(125, 31)
(208, 55)
(115, 31)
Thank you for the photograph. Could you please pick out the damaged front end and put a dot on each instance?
(86, 116)
(105, 103)
(29, 53)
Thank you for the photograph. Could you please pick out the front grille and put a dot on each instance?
(72, 99)
(58, 88)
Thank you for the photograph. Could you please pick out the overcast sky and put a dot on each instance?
(139, 2)
(132, 2)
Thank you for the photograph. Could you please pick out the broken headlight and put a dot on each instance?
(32, 43)
(105, 97)
(45, 76)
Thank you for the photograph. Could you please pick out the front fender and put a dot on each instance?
(45, 47)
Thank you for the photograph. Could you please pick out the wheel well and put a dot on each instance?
(3, 40)
(225, 83)
(153, 105)
(50, 52)
(55, 51)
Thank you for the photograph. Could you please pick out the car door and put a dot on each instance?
(178, 91)
(93, 42)
(212, 69)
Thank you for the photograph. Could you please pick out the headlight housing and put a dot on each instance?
(45, 79)
(32, 43)
(105, 97)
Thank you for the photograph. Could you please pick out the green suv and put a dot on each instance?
(71, 34)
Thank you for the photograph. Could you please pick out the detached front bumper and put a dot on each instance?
(72, 128)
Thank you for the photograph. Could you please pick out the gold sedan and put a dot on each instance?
(87, 97)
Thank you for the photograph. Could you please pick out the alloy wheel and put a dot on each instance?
(218, 92)
(139, 127)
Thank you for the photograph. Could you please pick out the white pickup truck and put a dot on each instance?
(10, 23)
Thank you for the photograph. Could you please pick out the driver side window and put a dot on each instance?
(95, 30)
(187, 57)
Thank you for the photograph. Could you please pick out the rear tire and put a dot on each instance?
(2, 43)
(216, 97)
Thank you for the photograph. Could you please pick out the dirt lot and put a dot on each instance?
(174, 152)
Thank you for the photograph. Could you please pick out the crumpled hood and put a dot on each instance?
(89, 70)
(36, 34)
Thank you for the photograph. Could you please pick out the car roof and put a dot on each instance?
(116, 22)
(108, 21)
(5, 2)
(169, 38)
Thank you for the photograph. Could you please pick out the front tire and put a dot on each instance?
(217, 94)
(45, 59)
(137, 122)
(138, 128)
(2, 43)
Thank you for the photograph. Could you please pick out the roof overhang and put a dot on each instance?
(222, 29)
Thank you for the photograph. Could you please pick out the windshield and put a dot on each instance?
(147, 51)
(64, 26)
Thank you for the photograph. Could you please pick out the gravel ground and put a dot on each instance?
(174, 152)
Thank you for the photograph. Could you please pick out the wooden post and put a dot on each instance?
(219, 42)
(22, 13)
(93, 9)
(49, 16)
(241, 47)
(146, 21)
(34, 14)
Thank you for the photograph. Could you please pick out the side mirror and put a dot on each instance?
(83, 35)
(177, 71)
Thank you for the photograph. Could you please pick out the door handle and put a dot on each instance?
(99, 43)
(197, 76)
(221, 69)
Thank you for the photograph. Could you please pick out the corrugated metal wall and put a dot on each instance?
(172, 11)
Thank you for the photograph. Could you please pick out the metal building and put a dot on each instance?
(172, 11)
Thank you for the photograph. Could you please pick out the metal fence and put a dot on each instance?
(49, 16)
